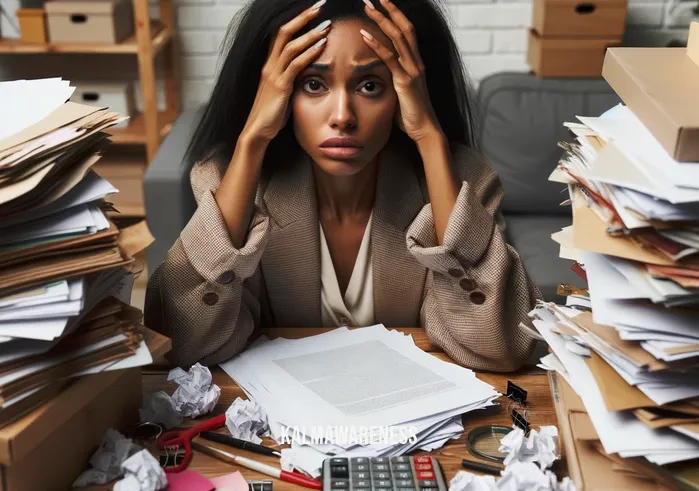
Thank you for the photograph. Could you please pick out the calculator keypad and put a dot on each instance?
(417, 473)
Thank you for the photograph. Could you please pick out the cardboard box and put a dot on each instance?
(575, 19)
(49, 448)
(117, 96)
(563, 57)
(32, 25)
(94, 21)
(660, 86)
(125, 168)
(693, 43)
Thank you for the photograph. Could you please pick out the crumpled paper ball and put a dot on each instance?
(246, 420)
(160, 408)
(106, 462)
(142, 473)
(466, 481)
(519, 476)
(196, 394)
(540, 446)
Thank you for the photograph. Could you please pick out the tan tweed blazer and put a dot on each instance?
(469, 294)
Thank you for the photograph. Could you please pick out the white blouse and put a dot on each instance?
(357, 306)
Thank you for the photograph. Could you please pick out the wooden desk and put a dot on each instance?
(542, 411)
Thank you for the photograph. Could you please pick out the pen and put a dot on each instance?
(254, 465)
(238, 443)
(477, 466)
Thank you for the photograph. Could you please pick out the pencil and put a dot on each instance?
(238, 443)
(254, 465)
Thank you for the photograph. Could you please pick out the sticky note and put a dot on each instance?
(233, 482)
(189, 480)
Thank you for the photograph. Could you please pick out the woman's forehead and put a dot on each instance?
(347, 49)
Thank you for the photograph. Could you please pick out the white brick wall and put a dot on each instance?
(492, 36)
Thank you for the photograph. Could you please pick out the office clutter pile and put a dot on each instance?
(627, 342)
(118, 457)
(366, 392)
(68, 337)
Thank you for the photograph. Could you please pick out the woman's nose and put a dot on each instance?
(342, 113)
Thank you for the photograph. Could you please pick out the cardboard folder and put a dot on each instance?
(589, 469)
(21, 255)
(130, 241)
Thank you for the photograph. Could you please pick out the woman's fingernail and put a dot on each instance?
(369, 4)
(318, 4)
(322, 25)
(320, 42)
(366, 35)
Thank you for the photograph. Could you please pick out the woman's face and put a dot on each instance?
(347, 92)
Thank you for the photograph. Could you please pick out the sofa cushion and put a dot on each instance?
(521, 121)
(530, 235)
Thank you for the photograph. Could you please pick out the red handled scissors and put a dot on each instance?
(183, 438)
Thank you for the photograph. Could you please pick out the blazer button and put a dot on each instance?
(477, 297)
(210, 298)
(468, 284)
(455, 272)
(226, 277)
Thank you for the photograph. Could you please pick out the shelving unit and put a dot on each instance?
(151, 39)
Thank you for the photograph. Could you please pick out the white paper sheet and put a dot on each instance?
(81, 219)
(91, 189)
(618, 431)
(54, 292)
(352, 379)
(26, 102)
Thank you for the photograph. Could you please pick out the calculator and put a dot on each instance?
(415, 473)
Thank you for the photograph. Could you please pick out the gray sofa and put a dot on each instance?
(520, 120)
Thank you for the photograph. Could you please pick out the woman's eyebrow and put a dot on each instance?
(357, 68)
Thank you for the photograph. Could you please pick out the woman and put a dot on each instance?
(337, 185)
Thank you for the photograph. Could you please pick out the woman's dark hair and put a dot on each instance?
(245, 51)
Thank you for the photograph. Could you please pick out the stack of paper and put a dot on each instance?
(66, 271)
(361, 392)
(628, 339)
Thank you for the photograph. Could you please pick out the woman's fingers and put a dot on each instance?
(384, 53)
(396, 35)
(286, 32)
(301, 61)
(400, 20)
(292, 51)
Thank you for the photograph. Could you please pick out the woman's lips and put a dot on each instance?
(341, 152)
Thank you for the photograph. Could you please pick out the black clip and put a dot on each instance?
(520, 421)
(516, 393)
(260, 485)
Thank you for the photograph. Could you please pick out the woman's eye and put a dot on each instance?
(371, 87)
(313, 85)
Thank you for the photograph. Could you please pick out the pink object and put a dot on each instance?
(189, 480)
(231, 482)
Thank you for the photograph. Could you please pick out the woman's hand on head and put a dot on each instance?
(415, 113)
(287, 58)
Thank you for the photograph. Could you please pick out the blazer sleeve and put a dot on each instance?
(478, 291)
(205, 294)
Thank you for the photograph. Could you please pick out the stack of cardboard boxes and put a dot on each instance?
(569, 37)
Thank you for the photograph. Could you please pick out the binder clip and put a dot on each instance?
(260, 485)
(516, 393)
(520, 421)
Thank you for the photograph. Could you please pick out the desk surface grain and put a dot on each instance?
(541, 410)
